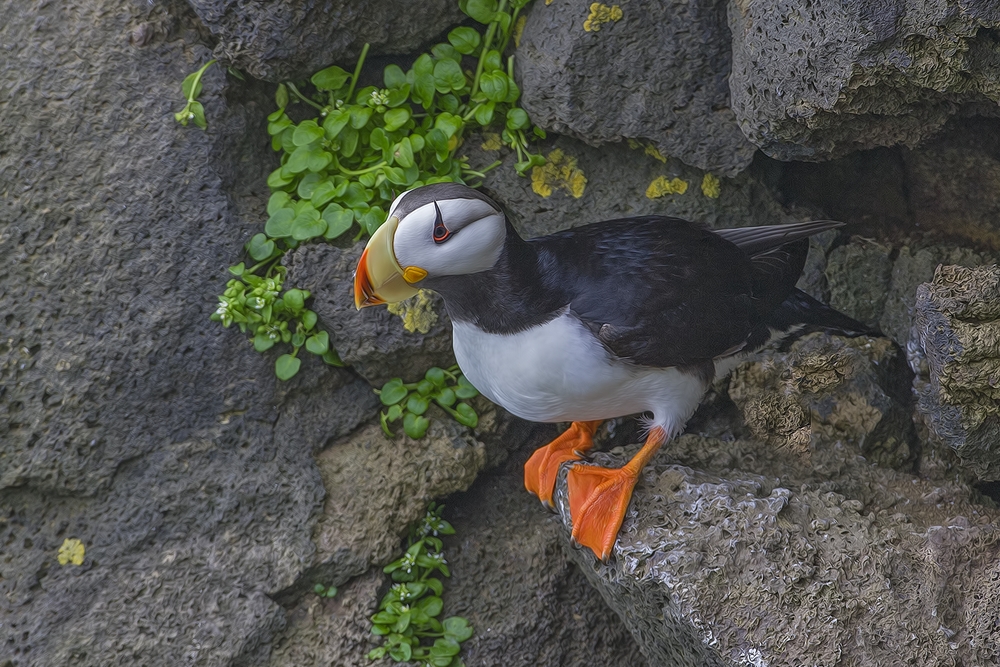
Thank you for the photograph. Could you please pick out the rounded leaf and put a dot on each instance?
(393, 76)
(464, 39)
(279, 225)
(415, 426)
(286, 366)
(331, 78)
(294, 300)
(466, 415)
(417, 404)
(319, 343)
(435, 376)
(306, 133)
(517, 119)
(393, 392)
(308, 225)
(260, 247)
(394, 119)
(445, 397)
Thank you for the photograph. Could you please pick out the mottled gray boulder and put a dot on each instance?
(815, 79)
(274, 41)
(373, 341)
(956, 345)
(658, 73)
(859, 273)
(735, 553)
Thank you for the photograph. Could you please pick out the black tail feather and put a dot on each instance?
(801, 309)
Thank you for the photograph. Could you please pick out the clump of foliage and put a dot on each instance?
(341, 169)
(193, 111)
(407, 616)
(447, 388)
(325, 591)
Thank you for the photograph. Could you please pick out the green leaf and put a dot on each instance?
(415, 426)
(395, 412)
(298, 339)
(306, 133)
(278, 201)
(324, 191)
(348, 141)
(262, 342)
(281, 96)
(338, 220)
(332, 358)
(423, 89)
(393, 392)
(417, 404)
(397, 96)
(360, 116)
(480, 10)
(449, 103)
(298, 161)
(331, 78)
(355, 195)
(368, 179)
(464, 39)
(319, 159)
(238, 269)
(448, 76)
(465, 389)
(448, 123)
(319, 344)
(336, 122)
(393, 76)
(435, 585)
(445, 646)
(286, 366)
(279, 125)
(492, 61)
(395, 175)
(378, 138)
(308, 319)
(484, 113)
(431, 605)
(445, 397)
(371, 219)
(279, 225)
(294, 300)
(199, 114)
(395, 119)
(260, 247)
(423, 65)
(466, 415)
(307, 185)
(189, 83)
(435, 376)
(446, 51)
(513, 92)
(401, 653)
(307, 225)
(425, 387)
(517, 119)
(403, 154)
(457, 628)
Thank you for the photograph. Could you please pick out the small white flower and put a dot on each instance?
(223, 308)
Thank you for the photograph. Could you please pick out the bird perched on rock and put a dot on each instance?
(613, 318)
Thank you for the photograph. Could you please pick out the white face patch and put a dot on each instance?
(477, 234)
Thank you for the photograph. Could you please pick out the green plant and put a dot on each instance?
(256, 305)
(193, 111)
(325, 591)
(447, 388)
(341, 168)
(407, 616)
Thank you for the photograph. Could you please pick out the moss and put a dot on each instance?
(661, 187)
(416, 312)
(559, 171)
(601, 14)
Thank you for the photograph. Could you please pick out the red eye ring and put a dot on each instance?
(441, 233)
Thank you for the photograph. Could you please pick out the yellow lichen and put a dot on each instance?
(417, 312)
(492, 141)
(661, 186)
(601, 14)
(711, 186)
(519, 29)
(559, 171)
(653, 152)
(71, 551)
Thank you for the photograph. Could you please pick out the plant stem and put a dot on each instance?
(513, 24)
(490, 32)
(357, 71)
(359, 172)
(197, 80)
(302, 97)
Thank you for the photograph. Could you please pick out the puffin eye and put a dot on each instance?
(441, 233)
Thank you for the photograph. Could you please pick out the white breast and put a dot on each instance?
(559, 372)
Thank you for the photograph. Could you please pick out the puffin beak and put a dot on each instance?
(379, 278)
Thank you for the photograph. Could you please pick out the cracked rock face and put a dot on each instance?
(734, 553)
(658, 73)
(956, 345)
(817, 79)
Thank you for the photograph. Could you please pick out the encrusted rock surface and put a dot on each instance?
(825, 389)
(956, 343)
(735, 553)
(658, 73)
(815, 79)
(288, 40)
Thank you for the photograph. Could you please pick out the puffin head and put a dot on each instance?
(443, 229)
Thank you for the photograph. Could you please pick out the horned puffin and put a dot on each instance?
(604, 320)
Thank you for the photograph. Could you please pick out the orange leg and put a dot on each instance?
(598, 497)
(542, 468)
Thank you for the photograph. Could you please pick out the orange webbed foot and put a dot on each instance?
(599, 497)
(542, 468)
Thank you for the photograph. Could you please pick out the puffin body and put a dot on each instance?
(601, 321)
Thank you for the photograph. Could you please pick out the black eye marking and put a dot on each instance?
(440, 233)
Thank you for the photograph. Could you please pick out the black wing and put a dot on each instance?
(665, 292)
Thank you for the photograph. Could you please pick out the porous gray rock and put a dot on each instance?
(817, 79)
(956, 345)
(735, 553)
(290, 40)
(373, 341)
(824, 389)
(859, 273)
(658, 73)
